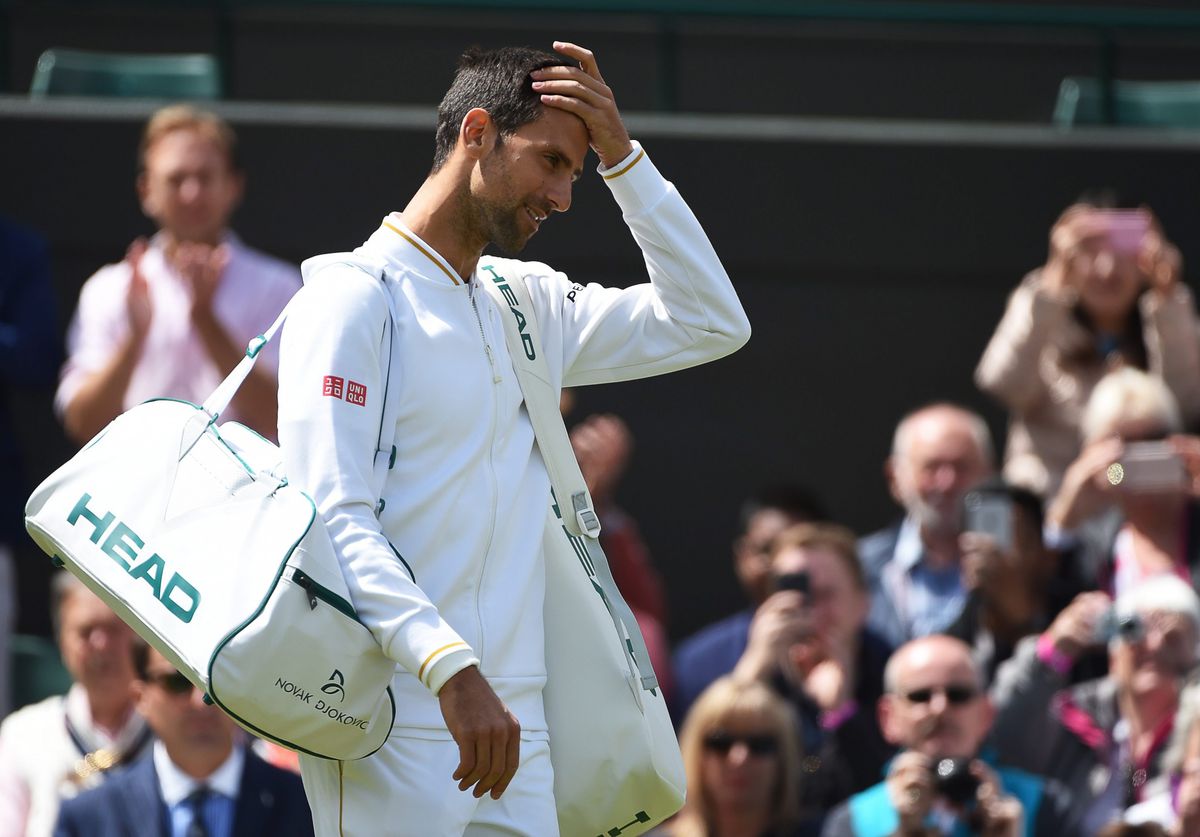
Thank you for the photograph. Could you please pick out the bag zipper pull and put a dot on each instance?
(306, 584)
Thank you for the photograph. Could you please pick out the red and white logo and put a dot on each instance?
(333, 386)
(356, 393)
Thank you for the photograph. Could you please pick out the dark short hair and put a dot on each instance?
(498, 81)
(837, 539)
(796, 502)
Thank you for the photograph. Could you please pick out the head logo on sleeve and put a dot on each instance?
(341, 388)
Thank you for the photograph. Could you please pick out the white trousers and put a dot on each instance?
(406, 790)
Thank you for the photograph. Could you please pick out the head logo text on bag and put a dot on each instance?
(122, 545)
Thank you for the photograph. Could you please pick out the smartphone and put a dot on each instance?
(990, 513)
(1148, 468)
(1125, 229)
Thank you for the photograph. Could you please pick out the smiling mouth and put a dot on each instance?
(535, 216)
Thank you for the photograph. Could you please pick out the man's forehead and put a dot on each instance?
(934, 664)
(560, 131)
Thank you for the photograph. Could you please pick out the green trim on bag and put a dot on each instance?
(319, 591)
(258, 612)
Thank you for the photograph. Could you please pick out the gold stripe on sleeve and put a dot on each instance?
(421, 672)
(641, 153)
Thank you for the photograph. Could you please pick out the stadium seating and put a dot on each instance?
(1151, 104)
(68, 72)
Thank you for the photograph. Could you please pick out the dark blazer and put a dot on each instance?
(129, 804)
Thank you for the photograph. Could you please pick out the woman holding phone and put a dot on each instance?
(1109, 295)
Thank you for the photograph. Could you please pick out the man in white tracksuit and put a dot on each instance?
(440, 537)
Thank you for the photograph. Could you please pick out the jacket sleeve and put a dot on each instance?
(1025, 731)
(1173, 346)
(1008, 370)
(333, 344)
(687, 314)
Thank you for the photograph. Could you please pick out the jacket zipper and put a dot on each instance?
(487, 348)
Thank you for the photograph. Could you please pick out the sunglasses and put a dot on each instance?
(759, 745)
(955, 695)
(174, 683)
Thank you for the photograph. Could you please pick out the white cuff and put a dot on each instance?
(635, 182)
(448, 666)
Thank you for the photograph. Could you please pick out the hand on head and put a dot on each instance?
(582, 91)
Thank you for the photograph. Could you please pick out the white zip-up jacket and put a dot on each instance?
(465, 500)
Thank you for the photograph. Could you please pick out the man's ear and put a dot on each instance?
(889, 474)
(143, 192)
(885, 710)
(477, 132)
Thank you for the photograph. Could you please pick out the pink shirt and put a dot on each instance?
(174, 362)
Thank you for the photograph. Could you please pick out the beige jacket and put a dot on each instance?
(1038, 366)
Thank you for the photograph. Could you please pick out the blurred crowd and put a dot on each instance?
(1016, 654)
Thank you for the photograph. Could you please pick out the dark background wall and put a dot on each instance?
(873, 263)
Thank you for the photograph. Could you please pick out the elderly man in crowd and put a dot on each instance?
(1104, 738)
(913, 568)
(936, 710)
(51, 750)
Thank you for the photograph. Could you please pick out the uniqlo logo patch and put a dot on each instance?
(333, 386)
(356, 393)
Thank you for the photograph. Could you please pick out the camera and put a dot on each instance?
(1127, 627)
(797, 581)
(954, 780)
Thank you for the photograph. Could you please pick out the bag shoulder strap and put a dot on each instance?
(219, 400)
(523, 337)
(541, 399)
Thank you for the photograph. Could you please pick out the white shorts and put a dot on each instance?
(407, 790)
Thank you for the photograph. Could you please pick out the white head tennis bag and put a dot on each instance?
(191, 533)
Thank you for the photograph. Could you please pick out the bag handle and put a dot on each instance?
(541, 403)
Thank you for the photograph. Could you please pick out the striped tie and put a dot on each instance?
(195, 803)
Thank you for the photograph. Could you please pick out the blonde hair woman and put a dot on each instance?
(741, 748)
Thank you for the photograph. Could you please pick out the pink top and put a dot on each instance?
(174, 362)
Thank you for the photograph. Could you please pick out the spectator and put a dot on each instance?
(1130, 529)
(1103, 738)
(937, 711)
(603, 445)
(175, 316)
(29, 356)
(1103, 298)
(199, 779)
(715, 649)
(913, 568)
(809, 640)
(1177, 807)
(1014, 583)
(51, 750)
(741, 751)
